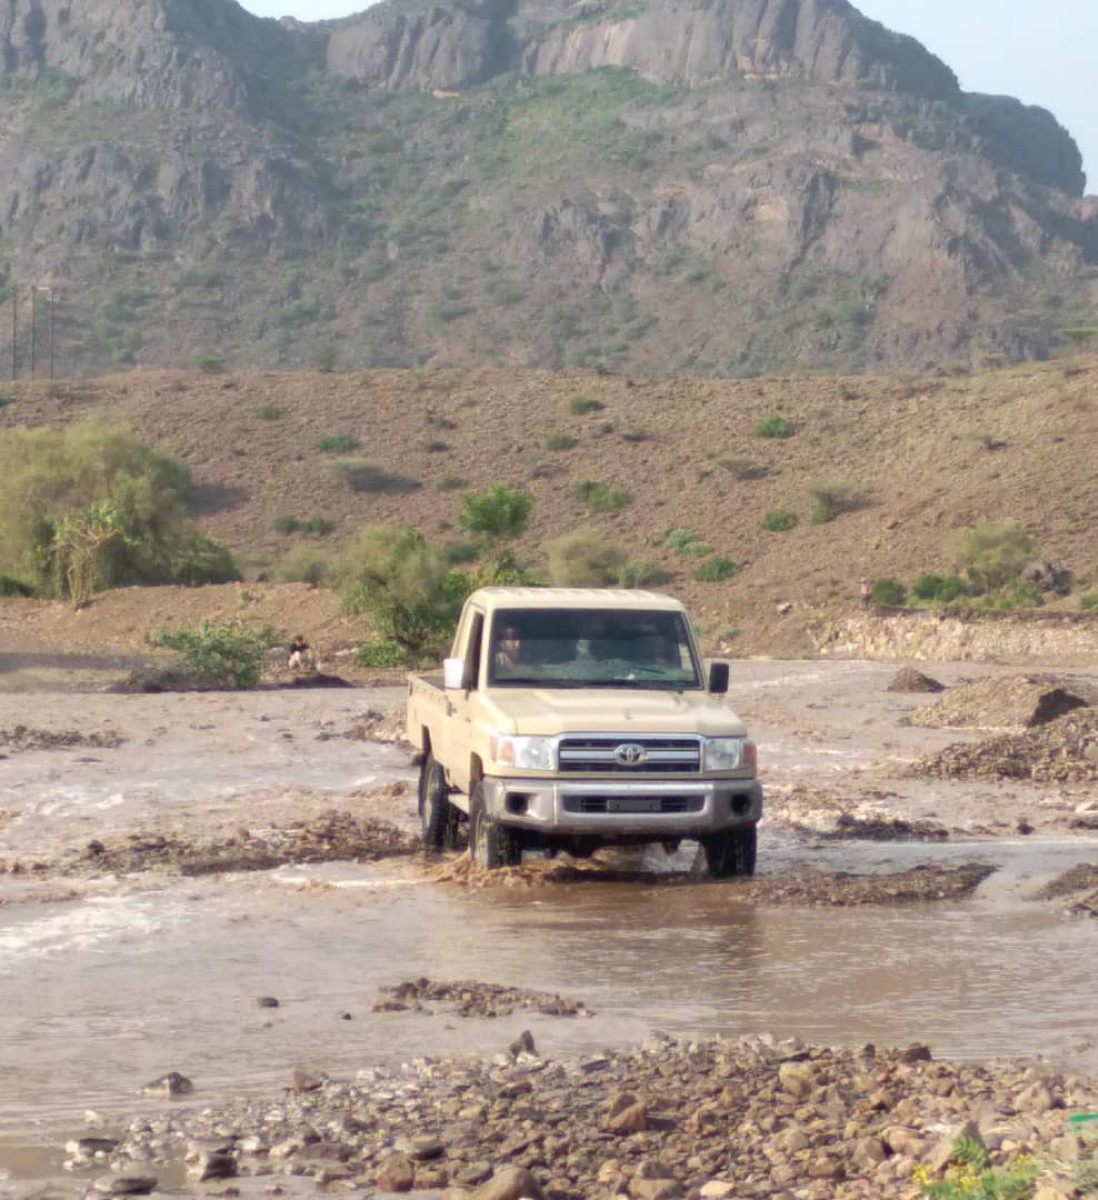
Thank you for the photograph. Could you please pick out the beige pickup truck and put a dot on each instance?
(572, 718)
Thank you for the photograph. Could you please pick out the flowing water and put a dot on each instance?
(107, 985)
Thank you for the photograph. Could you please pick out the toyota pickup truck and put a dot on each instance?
(573, 718)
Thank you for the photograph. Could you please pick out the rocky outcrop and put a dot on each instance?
(174, 54)
(436, 46)
(1029, 139)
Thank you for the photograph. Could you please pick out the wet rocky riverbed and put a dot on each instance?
(229, 888)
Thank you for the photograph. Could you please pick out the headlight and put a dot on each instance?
(526, 753)
(723, 754)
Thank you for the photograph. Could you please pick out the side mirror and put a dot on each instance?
(718, 678)
(453, 674)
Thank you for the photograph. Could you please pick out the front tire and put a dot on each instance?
(437, 815)
(492, 845)
(732, 852)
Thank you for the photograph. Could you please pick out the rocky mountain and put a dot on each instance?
(714, 187)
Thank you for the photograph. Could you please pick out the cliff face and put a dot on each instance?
(718, 186)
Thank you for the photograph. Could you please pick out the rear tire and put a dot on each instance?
(732, 852)
(437, 815)
(492, 845)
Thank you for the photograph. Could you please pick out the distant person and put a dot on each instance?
(866, 591)
(300, 655)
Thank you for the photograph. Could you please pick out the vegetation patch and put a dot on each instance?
(775, 427)
(337, 443)
(778, 520)
(601, 497)
(229, 653)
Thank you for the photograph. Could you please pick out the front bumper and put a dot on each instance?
(616, 809)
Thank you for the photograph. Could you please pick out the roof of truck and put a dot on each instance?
(558, 597)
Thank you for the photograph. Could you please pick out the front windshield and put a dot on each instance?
(591, 648)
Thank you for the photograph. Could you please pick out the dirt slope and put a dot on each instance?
(926, 455)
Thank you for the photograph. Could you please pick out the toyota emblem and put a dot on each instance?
(631, 754)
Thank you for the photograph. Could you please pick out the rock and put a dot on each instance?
(395, 1173)
(126, 1185)
(170, 1085)
(91, 1147)
(943, 1154)
(523, 1044)
(718, 1189)
(303, 1081)
(267, 1002)
(510, 1183)
(213, 1164)
(627, 1114)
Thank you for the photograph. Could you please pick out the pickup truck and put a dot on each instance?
(572, 718)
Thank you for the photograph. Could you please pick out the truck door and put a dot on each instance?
(458, 731)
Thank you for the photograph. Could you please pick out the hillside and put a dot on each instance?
(715, 189)
(925, 456)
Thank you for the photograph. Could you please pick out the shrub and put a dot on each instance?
(717, 569)
(286, 525)
(6, 400)
(211, 364)
(642, 573)
(635, 435)
(303, 564)
(89, 506)
(1016, 594)
(380, 652)
(450, 483)
(14, 587)
(317, 526)
(937, 589)
(774, 427)
(887, 592)
(743, 468)
(683, 541)
(230, 653)
(600, 497)
(499, 514)
(362, 475)
(582, 405)
(1088, 602)
(831, 499)
(337, 443)
(436, 446)
(968, 1176)
(404, 585)
(993, 553)
(777, 520)
(269, 412)
(561, 441)
(583, 558)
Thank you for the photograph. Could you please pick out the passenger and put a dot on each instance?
(509, 649)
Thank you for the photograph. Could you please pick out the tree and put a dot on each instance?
(993, 553)
(499, 514)
(392, 575)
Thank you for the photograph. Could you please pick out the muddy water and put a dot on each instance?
(104, 993)
(107, 984)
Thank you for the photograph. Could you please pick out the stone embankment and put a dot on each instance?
(718, 1118)
(1054, 638)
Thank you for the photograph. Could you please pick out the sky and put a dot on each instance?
(1041, 53)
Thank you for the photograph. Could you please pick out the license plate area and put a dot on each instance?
(634, 804)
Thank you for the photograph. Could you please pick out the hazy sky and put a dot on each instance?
(1041, 53)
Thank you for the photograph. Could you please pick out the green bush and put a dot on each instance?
(89, 507)
(14, 587)
(211, 364)
(404, 585)
(582, 405)
(583, 558)
(1010, 597)
(317, 526)
(499, 514)
(450, 483)
(561, 441)
(337, 443)
(303, 564)
(600, 497)
(1088, 602)
(831, 499)
(269, 412)
(361, 475)
(643, 573)
(887, 592)
(230, 653)
(993, 553)
(777, 520)
(937, 589)
(717, 569)
(684, 542)
(380, 652)
(968, 1176)
(774, 427)
(286, 525)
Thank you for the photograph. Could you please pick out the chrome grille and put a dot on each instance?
(618, 756)
(578, 802)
